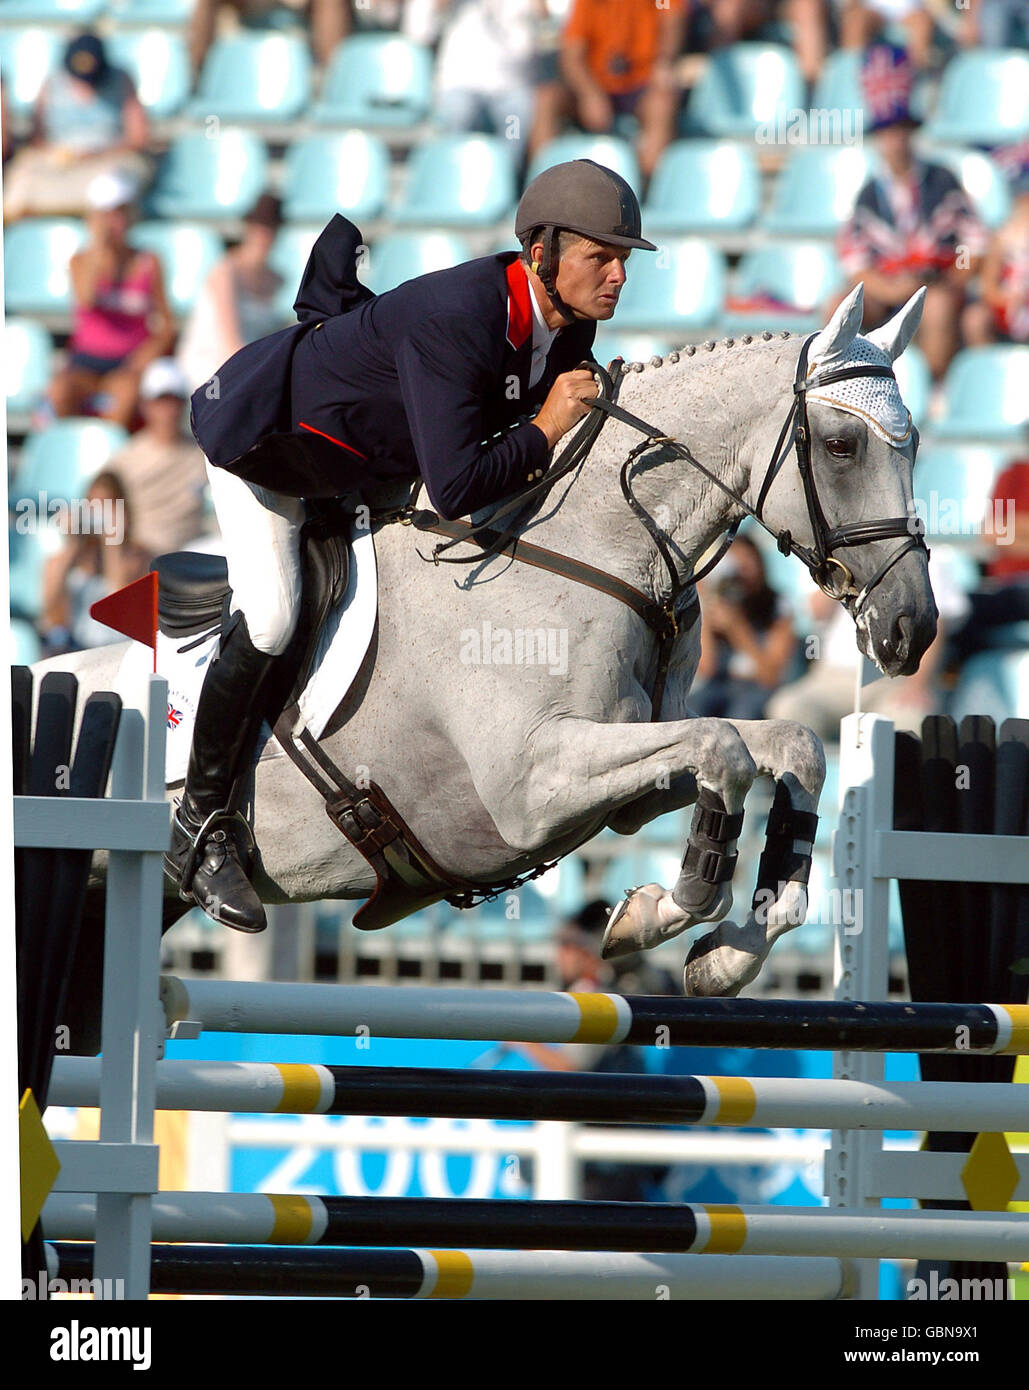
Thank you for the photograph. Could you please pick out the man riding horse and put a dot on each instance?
(405, 385)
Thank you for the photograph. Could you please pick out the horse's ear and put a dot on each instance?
(842, 328)
(894, 335)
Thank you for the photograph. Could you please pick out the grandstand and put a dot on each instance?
(746, 205)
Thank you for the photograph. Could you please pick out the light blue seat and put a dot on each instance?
(798, 276)
(402, 255)
(62, 459)
(37, 253)
(186, 254)
(26, 57)
(346, 172)
(987, 394)
(289, 253)
(167, 14)
(703, 186)
(458, 181)
(953, 487)
(204, 179)
(28, 550)
(983, 99)
(914, 381)
(981, 179)
(253, 78)
(609, 150)
(817, 189)
(994, 683)
(376, 80)
(27, 368)
(612, 342)
(25, 646)
(677, 291)
(69, 12)
(839, 83)
(744, 87)
(158, 64)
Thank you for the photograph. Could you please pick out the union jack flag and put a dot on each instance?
(174, 717)
(886, 81)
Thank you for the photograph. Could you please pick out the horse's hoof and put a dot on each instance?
(637, 923)
(716, 968)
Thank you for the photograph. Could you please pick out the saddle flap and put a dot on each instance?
(192, 590)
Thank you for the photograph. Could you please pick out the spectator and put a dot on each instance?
(1002, 310)
(747, 642)
(809, 23)
(121, 319)
(328, 22)
(618, 57)
(239, 301)
(97, 561)
(862, 21)
(87, 121)
(1004, 596)
(161, 468)
(913, 224)
(994, 23)
(827, 690)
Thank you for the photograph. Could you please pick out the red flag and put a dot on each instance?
(132, 610)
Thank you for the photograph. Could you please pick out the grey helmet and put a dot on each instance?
(578, 196)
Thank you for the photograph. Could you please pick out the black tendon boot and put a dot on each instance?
(207, 829)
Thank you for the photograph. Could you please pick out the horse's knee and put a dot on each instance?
(806, 757)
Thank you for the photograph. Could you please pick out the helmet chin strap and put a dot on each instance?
(547, 272)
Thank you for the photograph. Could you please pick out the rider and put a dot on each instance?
(405, 385)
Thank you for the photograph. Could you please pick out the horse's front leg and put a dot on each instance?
(725, 960)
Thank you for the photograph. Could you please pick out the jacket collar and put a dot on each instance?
(519, 308)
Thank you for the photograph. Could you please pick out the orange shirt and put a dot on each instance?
(622, 39)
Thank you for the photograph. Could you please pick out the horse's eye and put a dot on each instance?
(840, 448)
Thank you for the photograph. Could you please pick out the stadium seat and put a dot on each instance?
(458, 181)
(36, 256)
(783, 287)
(376, 80)
(186, 254)
(981, 179)
(63, 458)
(289, 253)
(164, 14)
(703, 186)
(325, 174)
(26, 56)
(743, 87)
(403, 255)
(992, 683)
(983, 99)
(23, 642)
(987, 394)
(952, 488)
(158, 64)
(26, 364)
(678, 291)
(612, 342)
(914, 382)
(202, 179)
(839, 83)
(254, 78)
(817, 189)
(609, 150)
(28, 551)
(64, 12)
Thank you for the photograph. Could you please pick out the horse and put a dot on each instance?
(503, 758)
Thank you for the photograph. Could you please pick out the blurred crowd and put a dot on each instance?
(530, 70)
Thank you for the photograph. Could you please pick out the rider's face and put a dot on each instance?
(590, 278)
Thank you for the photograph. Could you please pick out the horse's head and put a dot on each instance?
(853, 512)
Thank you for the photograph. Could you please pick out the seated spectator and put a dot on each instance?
(1001, 314)
(239, 300)
(161, 467)
(1003, 597)
(747, 642)
(98, 561)
(994, 23)
(87, 121)
(618, 59)
(121, 318)
(828, 689)
(809, 23)
(862, 21)
(913, 224)
(329, 21)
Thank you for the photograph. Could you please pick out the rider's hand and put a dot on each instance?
(566, 404)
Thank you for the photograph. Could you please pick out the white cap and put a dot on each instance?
(111, 189)
(163, 377)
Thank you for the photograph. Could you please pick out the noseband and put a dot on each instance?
(831, 575)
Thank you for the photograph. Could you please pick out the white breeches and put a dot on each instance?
(261, 530)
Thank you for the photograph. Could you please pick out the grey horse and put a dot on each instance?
(503, 757)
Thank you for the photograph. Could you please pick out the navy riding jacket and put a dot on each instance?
(429, 379)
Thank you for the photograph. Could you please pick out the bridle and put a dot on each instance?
(831, 575)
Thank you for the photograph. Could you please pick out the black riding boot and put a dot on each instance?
(204, 859)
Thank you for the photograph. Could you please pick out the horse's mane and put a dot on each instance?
(691, 349)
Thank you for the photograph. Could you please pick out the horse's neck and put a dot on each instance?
(720, 404)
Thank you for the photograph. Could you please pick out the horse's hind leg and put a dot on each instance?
(725, 960)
